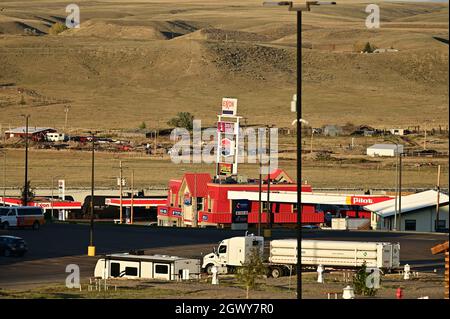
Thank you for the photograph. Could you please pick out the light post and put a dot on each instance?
(91, 248)
(25, 187)
(298, 8)
(4, 175)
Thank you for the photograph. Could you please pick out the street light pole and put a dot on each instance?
(4, 176)
(91, 248)
(299, 8)
(25, 186)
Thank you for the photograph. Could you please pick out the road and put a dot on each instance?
(55, 246)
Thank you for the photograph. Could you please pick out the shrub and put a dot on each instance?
(182, 120)
(251, 270)
(57, 28)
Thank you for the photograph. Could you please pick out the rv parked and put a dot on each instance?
(138, 266)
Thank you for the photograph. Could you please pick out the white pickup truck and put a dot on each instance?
(282, 258)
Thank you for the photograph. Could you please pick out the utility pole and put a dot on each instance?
(91, 248)
(400, 192)
(312, 135)
(25, 187)
(438, 189)
(120, 190)
(260, 186)
(66, 110)
(132, 196)
(396, 190)
(4, 176)
(269, 210)
(425, 139)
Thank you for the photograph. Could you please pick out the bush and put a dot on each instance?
(251, 270)
(359, 283)
(368, 48)
(182, 120)
(57, 28)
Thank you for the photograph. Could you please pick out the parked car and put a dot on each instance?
(12, 246)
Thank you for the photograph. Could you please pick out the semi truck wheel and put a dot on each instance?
(276, 272)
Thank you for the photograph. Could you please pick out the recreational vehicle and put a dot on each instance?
(134, 266)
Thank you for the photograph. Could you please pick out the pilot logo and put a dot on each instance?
(73, 279)
(373, 19)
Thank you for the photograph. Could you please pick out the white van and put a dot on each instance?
(21, 216)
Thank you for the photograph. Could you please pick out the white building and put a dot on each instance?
(384, 150)
(418, 212)
(397, 131)
(55, 137)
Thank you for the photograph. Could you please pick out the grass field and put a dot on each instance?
(75, 168)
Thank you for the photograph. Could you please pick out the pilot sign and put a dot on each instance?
(239, 217)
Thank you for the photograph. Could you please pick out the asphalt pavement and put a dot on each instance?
(55, 246)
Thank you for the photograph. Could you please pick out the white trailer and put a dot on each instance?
(147, 267)
(282, 257)
(336, 253)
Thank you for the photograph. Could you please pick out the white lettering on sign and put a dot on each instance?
(365, 201)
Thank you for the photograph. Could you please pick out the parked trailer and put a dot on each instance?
(233, 252)
(336, 253)
(133, 266)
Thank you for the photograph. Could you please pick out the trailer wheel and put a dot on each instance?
(276, 272)
(36, 225)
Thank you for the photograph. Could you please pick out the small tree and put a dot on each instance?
(183, 120)
(143, 126)
(359, 282)
(30, 193)
(251, 270)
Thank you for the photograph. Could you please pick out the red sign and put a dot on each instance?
(365, 200)
(225, 127)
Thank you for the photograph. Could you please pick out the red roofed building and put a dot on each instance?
(199, 193)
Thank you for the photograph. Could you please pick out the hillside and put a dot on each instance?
(144, 61)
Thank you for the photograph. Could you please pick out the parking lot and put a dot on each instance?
(55, 246)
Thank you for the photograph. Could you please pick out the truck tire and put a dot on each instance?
(5, 225)
(276, 272)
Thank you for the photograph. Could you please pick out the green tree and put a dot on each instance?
(251, 270)
(359, 282)
(30, 194)
(143, 126)
(57, 28)
(183, 120)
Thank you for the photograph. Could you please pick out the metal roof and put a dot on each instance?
(409, 203)
(157, 258)
(31, 130)
(386, 146)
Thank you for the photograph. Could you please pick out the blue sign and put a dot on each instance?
(163, 211)
(176, 213)
(240, 211)
(205, 218)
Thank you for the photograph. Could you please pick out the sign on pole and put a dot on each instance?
(62, 189)
(229, 106)
(239, 217)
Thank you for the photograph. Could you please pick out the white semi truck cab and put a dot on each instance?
(232, 252)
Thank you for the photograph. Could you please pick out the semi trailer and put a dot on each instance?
(281, 258)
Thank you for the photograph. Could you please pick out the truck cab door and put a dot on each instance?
(11, 217)
(223, 255)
